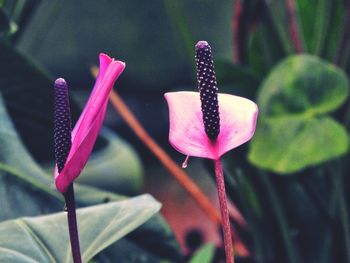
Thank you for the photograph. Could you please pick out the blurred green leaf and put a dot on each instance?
(241, 79)
(287, 145)
(116, 167)
(204, 255)
(277, 11)
(302, 86)
(315, 20)
(265, 50)
(292, 133)
(337, 13)
(149, 21)
(27, 90)
(4, 21)
(46, 238)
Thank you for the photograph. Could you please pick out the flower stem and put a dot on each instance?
(239, 35)
(224, 211)
(183, 179)
(72, 224)
(293, 26)
(189, 185)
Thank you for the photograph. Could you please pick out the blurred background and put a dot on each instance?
(288, 186)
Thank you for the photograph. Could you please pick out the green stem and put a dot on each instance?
(281, 219)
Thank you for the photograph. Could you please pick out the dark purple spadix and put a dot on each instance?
(62, 131)
(208, 89)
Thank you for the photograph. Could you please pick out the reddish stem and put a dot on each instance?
(224, 212)
(244, 20)
(72, 224)
(293, 26)
(238, 38)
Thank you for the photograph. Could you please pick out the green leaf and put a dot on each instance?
(302, 86)
(315, 21)
(116, 167)
(27, 90)
(170, 38)
(336, 26)
(279, 16)
(4, 21)
(264, 50)
(294, 131)
(204, 255)
(287, 145)
(46, 238)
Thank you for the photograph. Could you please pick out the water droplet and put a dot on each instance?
(185, 163)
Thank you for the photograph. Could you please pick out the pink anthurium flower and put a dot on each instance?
(87, 128)
(207, 124)
(187, 133)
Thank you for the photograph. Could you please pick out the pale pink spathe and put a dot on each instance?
(87, 127)
(187, 135)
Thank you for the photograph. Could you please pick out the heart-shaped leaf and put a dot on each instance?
(294, 130)
(302, 85)
(286, 145)
(46, 238)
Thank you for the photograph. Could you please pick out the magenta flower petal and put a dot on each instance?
(187, 135)
(87, 128)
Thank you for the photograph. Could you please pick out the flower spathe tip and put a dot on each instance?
(105, 56)
(90, 121)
